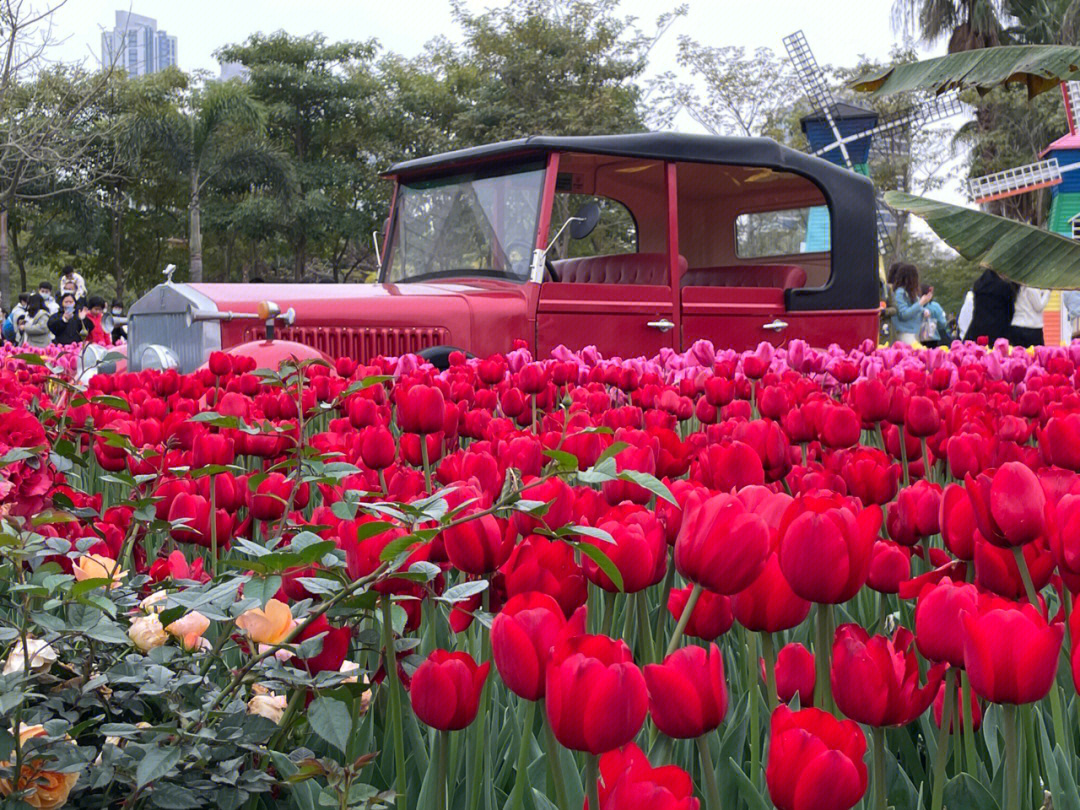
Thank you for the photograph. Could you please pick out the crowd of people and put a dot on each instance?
(994, 308)
(41, 319)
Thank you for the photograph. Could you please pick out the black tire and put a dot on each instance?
(439, 356)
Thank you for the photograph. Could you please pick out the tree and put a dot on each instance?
(209, 134)
(314, 92)
(47, 122)
(969, 24)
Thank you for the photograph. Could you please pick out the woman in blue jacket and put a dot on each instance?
(910, 306)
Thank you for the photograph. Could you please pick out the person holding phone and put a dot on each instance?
(910, 304)
(1026, 328)
(70, 324)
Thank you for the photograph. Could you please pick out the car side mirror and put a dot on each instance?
(585, 220)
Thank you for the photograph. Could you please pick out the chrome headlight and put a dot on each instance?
(158, 357)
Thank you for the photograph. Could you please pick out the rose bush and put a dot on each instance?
(707, 579)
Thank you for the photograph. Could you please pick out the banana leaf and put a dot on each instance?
(1018, 251)
(1038, 67)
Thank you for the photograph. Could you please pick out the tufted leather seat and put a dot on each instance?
(622, 268)
(783, 276)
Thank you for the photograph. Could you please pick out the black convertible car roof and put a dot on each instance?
(853, 283)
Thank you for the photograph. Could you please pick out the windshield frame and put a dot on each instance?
(520, 165)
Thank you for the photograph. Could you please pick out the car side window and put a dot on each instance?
(616, 232)
(762, 234)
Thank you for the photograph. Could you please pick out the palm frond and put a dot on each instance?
(1038, 67)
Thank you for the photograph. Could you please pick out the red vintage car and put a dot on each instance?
(631, 243)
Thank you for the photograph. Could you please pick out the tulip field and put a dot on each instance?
(788, 578)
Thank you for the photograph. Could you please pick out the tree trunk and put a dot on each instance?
(195, 235)
(245, 270)
(301, 257)
(19, 260)
(5, 266)
(118, 267)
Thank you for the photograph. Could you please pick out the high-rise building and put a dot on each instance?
(136, 45)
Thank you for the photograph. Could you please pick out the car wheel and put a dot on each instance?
(439, 356)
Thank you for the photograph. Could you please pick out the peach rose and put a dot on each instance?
(270, 706)
(154, 602)
(146, 632)
(98, 566)
(48, 789)
(269, 625)
(189, 629)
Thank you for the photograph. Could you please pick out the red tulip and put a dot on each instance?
(420, 409)
(335, 646)
(870, 475)
(478, 546)
(445, 690)
(921, 417)
(721, 546)
(875, 680)
(195, 511)
(522, 637)
(1060, 441)
(937, 618)
(220, 364)
(815, 761)
(213, 449)
(967, 454)
(271, 497)
(890, 567)
(956, 520)
(840, 426)
(996, 570)
(914, 513)
(825, 547)
(769, 605)
(560, 499)
(1010, 652)
(728, 466)
(377, 449)
(548, 566)
(639, 552)
(687, 692)
(596, 695)
(628, 782)
(871, 400)
(1009, 504)
(711, 617)
(795, 674)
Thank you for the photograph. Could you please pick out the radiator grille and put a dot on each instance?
(360, 343)
(168, 329)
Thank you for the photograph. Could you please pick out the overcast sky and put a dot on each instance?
(839, 31)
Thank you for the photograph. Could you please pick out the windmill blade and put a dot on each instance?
(886, 226)
(1019, 180)
(816, 89)
(937, 109)
(1070, 91)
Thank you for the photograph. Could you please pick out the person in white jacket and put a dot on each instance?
(1027, 323)
(70, 278)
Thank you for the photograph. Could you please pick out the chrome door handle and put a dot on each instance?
(777, 325)
(663, 325)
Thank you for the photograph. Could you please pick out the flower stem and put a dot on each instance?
(903, 454)
(755, 705)
(662, 613)
(647, 651)
(967, 730)
(554, 762)
(941, 757)
(823, 627)
(609, 613)
(708, 770)
(1025, 574)
(427, 463)
(213, 529)
(879, 769)
(769, 654)
(695, 594)
(444, 774)
(523, 757)
(1012, 764)
(401, 801)
(592, 776)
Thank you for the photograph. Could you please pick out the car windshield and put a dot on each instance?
(467, 225)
